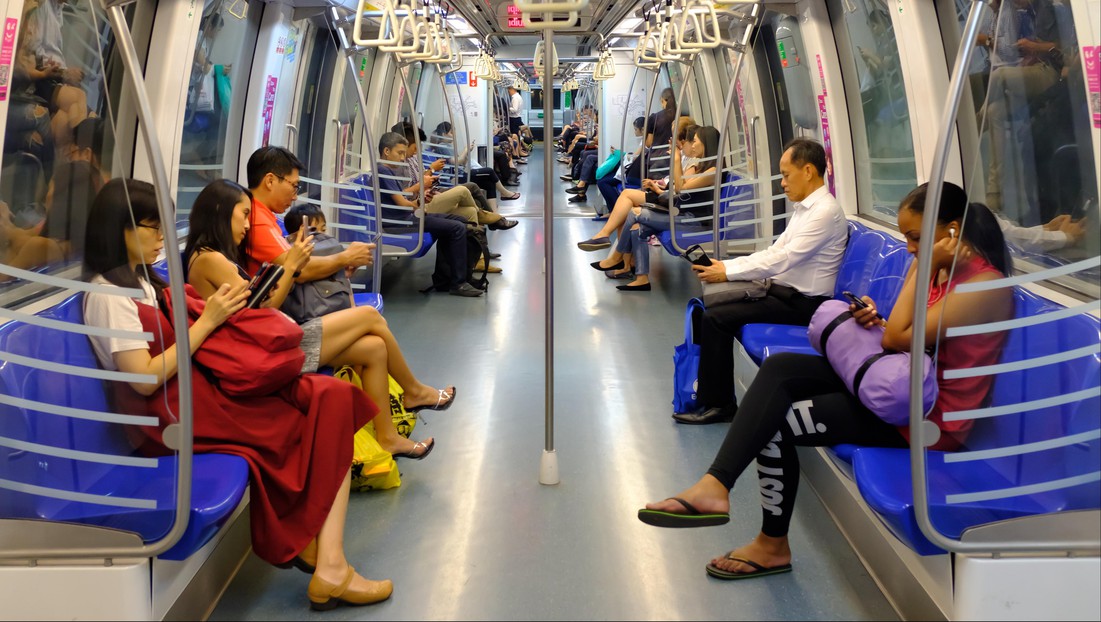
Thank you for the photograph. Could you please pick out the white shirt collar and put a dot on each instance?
(812, 198)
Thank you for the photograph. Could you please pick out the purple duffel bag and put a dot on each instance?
(880, 379)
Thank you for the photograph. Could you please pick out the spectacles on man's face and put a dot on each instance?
(299, 187)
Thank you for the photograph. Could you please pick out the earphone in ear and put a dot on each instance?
(952, 232)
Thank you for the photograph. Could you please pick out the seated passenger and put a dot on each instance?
(802, 264)
(297, 442)
(449, 231)
(359, 336)
(644, 222)
(828, 412)
(632, 198)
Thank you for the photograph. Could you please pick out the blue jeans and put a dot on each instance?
(650, 222)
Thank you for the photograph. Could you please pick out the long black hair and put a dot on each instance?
(211, 220)
(120, 206)
(709, 136)
(978, 226)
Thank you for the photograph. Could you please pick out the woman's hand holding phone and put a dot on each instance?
(864, 311)
(229, 299)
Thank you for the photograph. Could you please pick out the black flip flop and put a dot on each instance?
(758, 570)
(694, 518)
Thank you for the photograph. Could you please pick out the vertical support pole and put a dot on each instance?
(548, 466)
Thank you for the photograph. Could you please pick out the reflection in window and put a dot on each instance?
(1037, 171)
(881, 119)
(209, 99)
(59, 139)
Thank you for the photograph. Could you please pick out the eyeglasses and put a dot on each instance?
(299, 188)
(157, 227)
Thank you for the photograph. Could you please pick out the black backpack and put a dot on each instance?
(477, 248)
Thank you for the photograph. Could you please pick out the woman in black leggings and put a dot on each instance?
(798, 400)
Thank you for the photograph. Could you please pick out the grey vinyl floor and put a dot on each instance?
(471, 534)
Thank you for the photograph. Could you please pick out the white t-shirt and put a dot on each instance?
(117, 313)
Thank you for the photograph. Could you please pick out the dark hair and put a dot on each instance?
(389, 140)
(210, 225)
(683, 133)
(978, 226)
(275, 160)
(120, 205)
(300, 214)
(709, 136)
(807, 151)
(670, 100)
(406, 128)
(443, 128)
(639, 122)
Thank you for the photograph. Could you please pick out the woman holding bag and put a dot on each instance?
(823, 412)
(355, 336)
(297, 441)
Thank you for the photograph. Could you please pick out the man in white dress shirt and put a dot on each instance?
(802, 263)
(515, 111)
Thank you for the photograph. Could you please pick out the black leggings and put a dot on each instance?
(795, 400)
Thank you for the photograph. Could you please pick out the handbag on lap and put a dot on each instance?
(716, 294)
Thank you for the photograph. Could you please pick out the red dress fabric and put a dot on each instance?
(297, 441)
(966, 352)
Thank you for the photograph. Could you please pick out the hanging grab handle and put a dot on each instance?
(705, 22)
(389, 31)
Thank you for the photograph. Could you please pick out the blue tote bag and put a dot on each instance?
(686, 363)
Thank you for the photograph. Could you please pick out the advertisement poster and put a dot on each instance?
(7, 52)
(1091, 57)
(269, 107)
(825, 128)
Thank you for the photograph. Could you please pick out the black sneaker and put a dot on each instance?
(577, 198)
(466, 290)
(575, 190)
(503, 224)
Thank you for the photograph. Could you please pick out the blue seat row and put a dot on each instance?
(729, 215)
(30, 414)
(364, 195)
(964, 486)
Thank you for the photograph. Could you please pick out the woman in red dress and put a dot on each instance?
(297, 441)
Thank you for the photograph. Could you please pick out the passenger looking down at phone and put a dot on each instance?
(343, 335)
(632, 250)
(801, 264)
(967, 247)
(274, 181)
(448, 230)
(297, 441)
(652, 191)
(484, 177)
(465, 200)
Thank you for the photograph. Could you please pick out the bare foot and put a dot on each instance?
(708, 496)
(425, 395)
(763, 550)
(641, 280)
(407, 447)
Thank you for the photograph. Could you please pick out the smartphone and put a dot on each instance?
(260, 285)
(696, 256)
(860, 304)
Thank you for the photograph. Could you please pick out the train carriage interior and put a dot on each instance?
(581, 220)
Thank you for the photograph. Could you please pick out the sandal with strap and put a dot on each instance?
(325, 596)
(758, 570)
(418, 445)
(443, 402)
(691, 517)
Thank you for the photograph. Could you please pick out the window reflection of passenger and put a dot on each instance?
(202, 126)
(1060, 232)
(1011, 179)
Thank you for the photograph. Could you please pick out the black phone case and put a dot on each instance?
(265, 279)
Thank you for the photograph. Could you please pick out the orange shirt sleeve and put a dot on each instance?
(266, 240)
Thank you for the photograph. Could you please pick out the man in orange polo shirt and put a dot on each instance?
(273, 178)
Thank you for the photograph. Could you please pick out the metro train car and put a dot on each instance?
(550, 309)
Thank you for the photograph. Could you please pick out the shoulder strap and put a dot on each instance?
(864, 367)
(832, 326)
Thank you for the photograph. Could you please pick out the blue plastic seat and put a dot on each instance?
(883, 475)
(218, 481)
(728, 215)
(364, 195)
(369, 299)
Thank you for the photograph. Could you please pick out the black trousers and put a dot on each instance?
(715, 334)
(486, 179)
(450, 233)
(795, 400)
(514, 124)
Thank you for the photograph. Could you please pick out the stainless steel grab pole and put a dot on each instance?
(548, 471)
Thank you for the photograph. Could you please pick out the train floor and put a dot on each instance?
(471, 534)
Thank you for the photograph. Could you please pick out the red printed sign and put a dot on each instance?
(473, 79)
(7, 48)
(269, 107)
(1091, 57)
(825, 129)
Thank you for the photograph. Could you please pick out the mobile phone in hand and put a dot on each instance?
(696, 256)
(860, 304)
(260, 285)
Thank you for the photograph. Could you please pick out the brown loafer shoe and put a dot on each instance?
(325, 596)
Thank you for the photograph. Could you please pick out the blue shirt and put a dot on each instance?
(391, 211)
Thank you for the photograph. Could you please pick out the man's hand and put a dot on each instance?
(359, 254)
(438, 165)
(715, 273)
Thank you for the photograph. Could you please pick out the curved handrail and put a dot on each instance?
(416, 26)
(995, 540)
(703, 15)
(540, 61)
(390, 23)
(427, 48)
(671, 189)
(627, 120)
(645, 54)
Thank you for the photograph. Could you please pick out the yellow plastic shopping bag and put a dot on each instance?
(373, 468)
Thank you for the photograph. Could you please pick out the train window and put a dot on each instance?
(59, 140)
(879, 110)
(215, 72)
(1025, 131)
